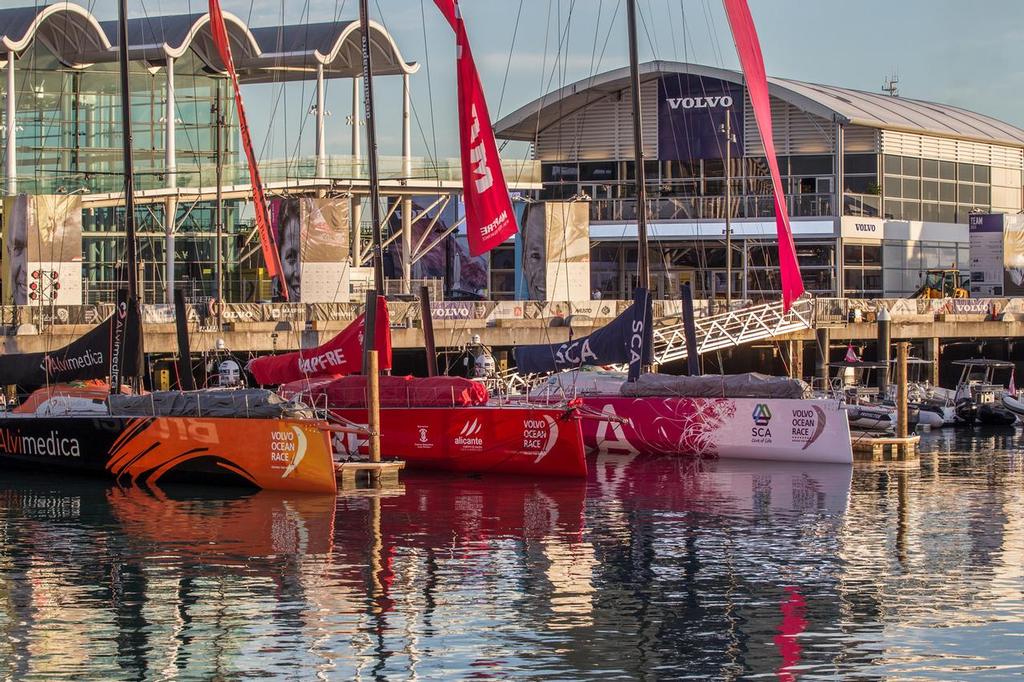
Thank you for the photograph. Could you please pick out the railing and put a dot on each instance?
(191, 175)
(733, 328)
(710, 208)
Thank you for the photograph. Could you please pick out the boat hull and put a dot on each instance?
(534, 441)
(742, 428)
(272, 454)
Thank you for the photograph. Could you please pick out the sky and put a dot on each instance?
(949, 51)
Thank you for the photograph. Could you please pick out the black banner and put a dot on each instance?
(625, 339)
(89, 357)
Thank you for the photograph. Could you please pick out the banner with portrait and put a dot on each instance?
(42, 255)
(312, 238)
(556, 251)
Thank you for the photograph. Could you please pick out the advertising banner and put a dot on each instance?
(556, 251)
(43, 250)
(691, 113)
(986, 245)
(1013, 255)
(312, 237)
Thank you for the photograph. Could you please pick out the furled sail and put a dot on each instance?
(113, 343)
(628, 339)
(341, 355)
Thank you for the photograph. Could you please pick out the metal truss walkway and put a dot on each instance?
(734, 328)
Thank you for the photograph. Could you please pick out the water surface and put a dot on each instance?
(651, 569)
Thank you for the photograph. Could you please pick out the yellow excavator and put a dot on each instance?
(943, 284)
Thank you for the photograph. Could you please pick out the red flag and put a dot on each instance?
(489, 216)
(748, 47)
(270, 252)
(341, 355)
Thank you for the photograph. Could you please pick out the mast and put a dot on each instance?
(219, 213)
(371, 149)
(643, 269)
(129, 163)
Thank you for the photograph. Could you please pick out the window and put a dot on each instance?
(929, 168)
(857, 164)
(810, 165)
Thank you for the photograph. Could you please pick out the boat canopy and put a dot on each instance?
(249, 402)
(985, 363)
(750, 385)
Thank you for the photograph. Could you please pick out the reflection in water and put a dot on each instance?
(651, 568)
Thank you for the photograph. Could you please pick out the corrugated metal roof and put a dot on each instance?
(874, 110)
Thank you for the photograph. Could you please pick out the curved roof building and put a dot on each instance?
(77, 39)
(880, 188)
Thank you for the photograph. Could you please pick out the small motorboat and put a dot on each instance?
(979, 398)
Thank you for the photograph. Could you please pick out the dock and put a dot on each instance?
(880, 448)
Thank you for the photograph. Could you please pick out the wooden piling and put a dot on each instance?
(373, 406)
(902, 351)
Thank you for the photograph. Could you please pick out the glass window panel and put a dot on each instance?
(810, 165)
(911, 189)
(893, 186)
(930, 212)
(911, 166)
(893, 165)
(947, 213)
(604, 170)
(853, 255)
(853, 280)
(930, 168)
(947, 170)
(862, 184)
(982, 174)
(893, 209)
(873, 280)
(966, 193)
(895, 255)
(965, 171)
(872, 254)
(981, 195)
(947, 257)
(911, 210)
(947, 192)
(930, 190)
(860, 164)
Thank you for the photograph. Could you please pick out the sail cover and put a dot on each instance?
(489, 216)
(748, 48)
(270, 253)
(341, 355)
(88, 357)
(625, 340)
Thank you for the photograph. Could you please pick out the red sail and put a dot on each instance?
(341, 355)
(489, 216)
(270, 252)
(749, 50)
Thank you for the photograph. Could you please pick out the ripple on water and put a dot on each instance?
(659, 568)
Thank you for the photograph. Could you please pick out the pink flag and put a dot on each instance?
(489, 217)
(270, 253)
(1013, 385)
(749, 50)
(851, 355)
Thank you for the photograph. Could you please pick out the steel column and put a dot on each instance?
(406, 200)
(11, 148)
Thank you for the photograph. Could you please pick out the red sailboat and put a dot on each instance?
(436, 422)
